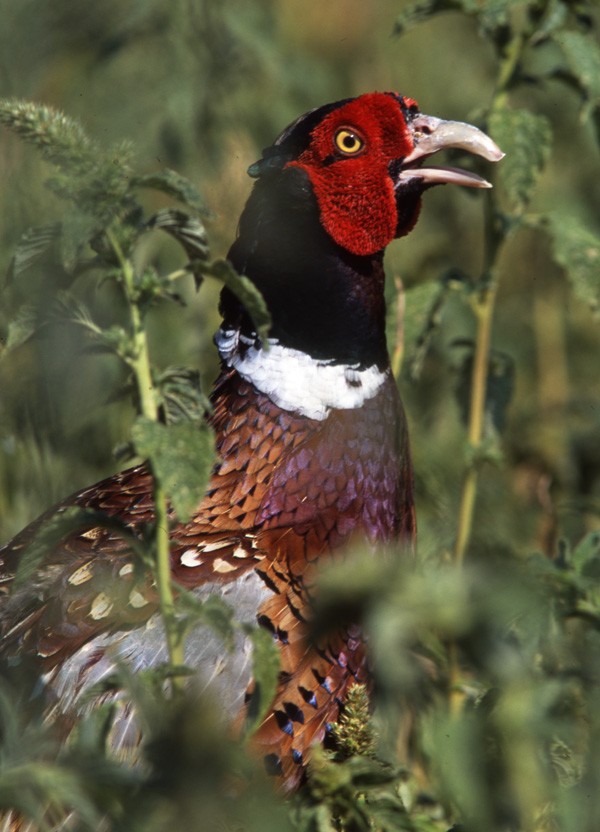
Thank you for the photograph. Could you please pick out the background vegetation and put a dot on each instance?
(486, 651)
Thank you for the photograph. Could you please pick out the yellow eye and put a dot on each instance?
(348, 142)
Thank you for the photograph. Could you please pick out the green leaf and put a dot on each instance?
(213, 611)
(219, 616)
(245, 291)
(421, 300)
(366, 772)
(112, 339)
(526, 139)
(490, 15)
(420, 12)
(389, 814)
(265, 672)
(182, 457)
(586, 555)
(37, 787)
(553, 18)
(20, 329)
(467, 779)
(174, 184)
(577, 250)
(68, 306)
(34, 243)
(76, 232)
(189, 233)
(181, 394)
(423, 315)
(582, 55)
(500, 383)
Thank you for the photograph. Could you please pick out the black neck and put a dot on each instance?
(323, 300)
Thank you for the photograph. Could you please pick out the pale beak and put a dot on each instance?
(431, 134)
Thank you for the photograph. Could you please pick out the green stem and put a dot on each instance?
(508, 67)
(139, 361)
(484, 311)
(175, 644)
(483, 307)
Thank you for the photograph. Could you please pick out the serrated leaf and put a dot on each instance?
(265, 673)
(21, 328)
(189, 233)
(70, 307)
(421, 300)
(553, 18)
(34, 243)
(366, 772)
(422, 317)
(181, 393)
(322, 821)
(499, 389)
(44, 787)
(213, 611)
(582, 54)
(490, 14)
(245, 291)
(526, 139)
(586, 555)
(389, 814)
(113, 339)
(174, 184)
(76, 232)
(577, 250)
(421, 11)
(182, 456)
(219, 616)
(187, 230)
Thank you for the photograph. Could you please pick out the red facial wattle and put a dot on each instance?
(355, 193)
(368, 197)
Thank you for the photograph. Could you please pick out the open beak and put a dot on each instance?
(431, 134)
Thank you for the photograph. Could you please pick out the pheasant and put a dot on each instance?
(311, 440)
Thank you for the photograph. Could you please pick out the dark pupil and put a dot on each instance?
(349, 141)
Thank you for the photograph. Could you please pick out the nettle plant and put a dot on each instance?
(493, 664)
(97, 240)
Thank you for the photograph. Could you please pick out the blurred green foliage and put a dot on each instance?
(488, 711)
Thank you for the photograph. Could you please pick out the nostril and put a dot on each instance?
(424, 125)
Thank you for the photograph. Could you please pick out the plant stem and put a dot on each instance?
(483, 307)
(509, 66)
(484, 312)
(139, 362)
(175, 642)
